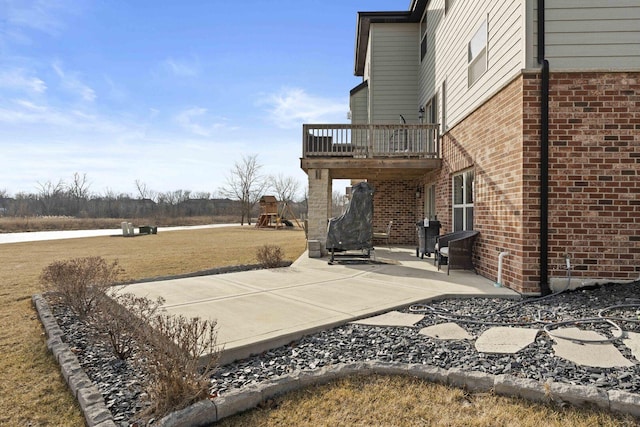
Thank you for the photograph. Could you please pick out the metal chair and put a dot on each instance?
(457, 247)
(384, 236)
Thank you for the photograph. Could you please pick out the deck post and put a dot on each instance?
(319, 206)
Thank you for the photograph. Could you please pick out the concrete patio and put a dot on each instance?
(262, 309)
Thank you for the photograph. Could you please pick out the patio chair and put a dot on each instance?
(383, 235)
(457, 248)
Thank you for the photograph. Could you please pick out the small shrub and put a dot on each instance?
(181, 355)
(270, 256)
(123, 320)
(80, 282)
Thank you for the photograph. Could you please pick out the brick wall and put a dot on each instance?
(494, 152)
(594, 153)
(594, 184)
(396, 201)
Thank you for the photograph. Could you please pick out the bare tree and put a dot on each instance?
(338, 202)
(79, 186)
(202, 195)
(143, 191)
(78, 191)
(50, 195)
(286, 187)
(245, 184)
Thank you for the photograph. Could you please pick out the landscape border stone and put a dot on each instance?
(85, 392)
(624, 402)
(210, 411)
(526, 388)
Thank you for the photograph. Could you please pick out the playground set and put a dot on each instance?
(274, 214)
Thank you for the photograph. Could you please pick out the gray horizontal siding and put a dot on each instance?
(394, 69)
(591, 34)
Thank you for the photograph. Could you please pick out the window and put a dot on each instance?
(463, 201)
(430, 202)
(431, 117)
(443, 122)
(447, 5)
(477, 54)
(423, 36)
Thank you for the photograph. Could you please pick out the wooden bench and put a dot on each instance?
(457, 247)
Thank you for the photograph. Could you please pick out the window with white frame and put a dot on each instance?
(430, 201)
(431, 117)
(477, 54)
(443, 95)
(423, 36)
(463, 200)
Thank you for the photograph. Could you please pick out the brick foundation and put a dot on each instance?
(594, 187)
(594, 213)
(495, 154)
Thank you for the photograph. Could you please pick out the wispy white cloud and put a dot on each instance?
(182, 67)
(47, 16)
(291, 107)
(72, 82)
(196, 120)
(20, 80)
(17, 113)
(116, 91)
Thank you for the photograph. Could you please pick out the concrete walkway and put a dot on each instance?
(37, 236)
(263, 309)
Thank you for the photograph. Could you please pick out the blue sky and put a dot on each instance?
(170, 93)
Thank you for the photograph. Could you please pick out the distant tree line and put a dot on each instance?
(73, 198)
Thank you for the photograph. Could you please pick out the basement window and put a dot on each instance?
(463, 185)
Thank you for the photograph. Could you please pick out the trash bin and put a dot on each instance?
(427, 235)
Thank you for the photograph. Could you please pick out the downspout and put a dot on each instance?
(544, 154)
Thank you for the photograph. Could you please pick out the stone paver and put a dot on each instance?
(588, 354)
(633, 342)
(503, 339)
(392, 318)
(446, 331)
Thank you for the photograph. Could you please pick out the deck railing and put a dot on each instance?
(371, 141)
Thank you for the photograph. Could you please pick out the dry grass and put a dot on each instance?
(405, 401)
(32, 392)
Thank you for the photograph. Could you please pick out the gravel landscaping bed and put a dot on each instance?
(121, 382)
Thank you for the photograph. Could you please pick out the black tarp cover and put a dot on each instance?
(353, 229)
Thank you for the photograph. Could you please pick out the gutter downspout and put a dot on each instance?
(544, 153)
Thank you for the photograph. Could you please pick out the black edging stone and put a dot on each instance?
(86, 393)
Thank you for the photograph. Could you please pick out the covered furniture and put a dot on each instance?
(353, 229)
(457, 248)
